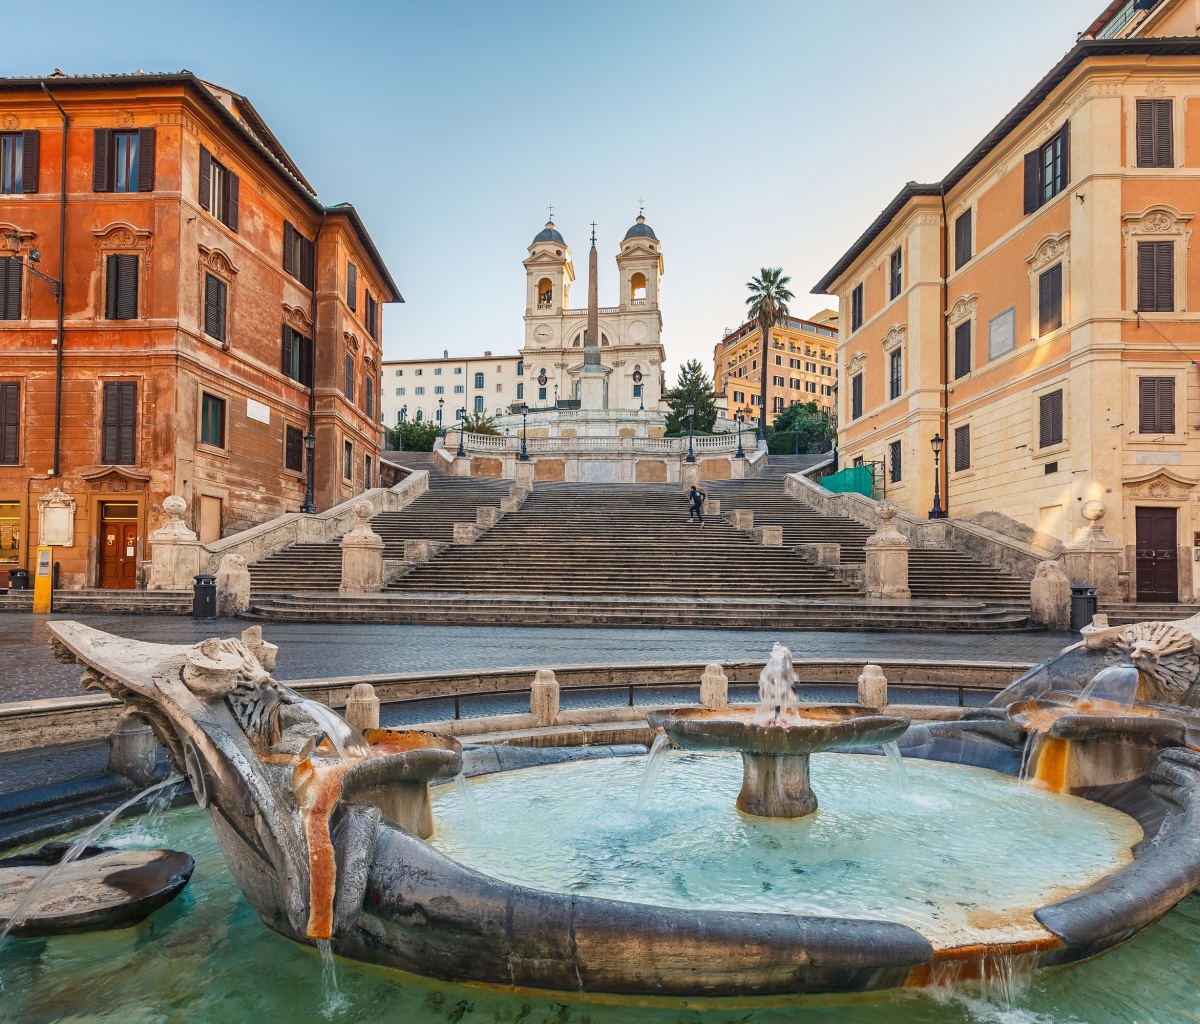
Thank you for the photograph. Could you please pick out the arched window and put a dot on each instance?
(545, 291)
(637, 287)
(603, 339)
(520, 368)
(520, 392)
(578, 340)
(399, 416)
(479, 403)
(479, 380)
(420, 415)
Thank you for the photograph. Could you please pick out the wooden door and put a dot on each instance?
(118, 546)
(210, 519)
(1157, 555)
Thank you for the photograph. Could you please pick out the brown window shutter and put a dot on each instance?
(1164, 276)
(293, 449)
(307, 253)
(146, 140)
(962, 240)
(1147, 422)
(127, 452)
(1145, 277)
(1050, 300)
(214, 307)
(962, 448)
(285, 361)
(962, 349)
(111, 287)
(1156, 405)
(10, 419)
(126, 302)
(11, 272)
(289, 247)
(1065, 134)
(1033, 192)
(1164, 137)
(1050, 419)
(352, 286)
(306, 362)
(1166, 405)
(205, 179)
(1145, 133)
(231, 201)
(111, 439)
(101, 159)
(30, 158)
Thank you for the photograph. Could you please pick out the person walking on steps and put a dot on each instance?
(696, 505)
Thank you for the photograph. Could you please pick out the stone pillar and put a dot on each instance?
(362, 556)
(543, 697)
(887, 558)
(466, 533)
(872, 687)
(1093, 559)
(743, 519)
(769, 536)
(233, 586)
(524, 475)
(175, 550)
(418, 551)
(362, 708)
(1050, 596)
(712, 506)
(487, 516)
(689, 474)
(714, 688)
(133, 750)
(823, 553)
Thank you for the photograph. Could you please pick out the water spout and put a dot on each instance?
(1115, 686)
(27, 902)
(346, 740)
(333, 1002)
(654, 765)
(895, 761)
(775, 682)
(468, 799)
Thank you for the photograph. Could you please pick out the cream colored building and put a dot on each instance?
(1037, 309)
(438, 389)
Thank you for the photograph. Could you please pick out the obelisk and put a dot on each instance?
(591, 378)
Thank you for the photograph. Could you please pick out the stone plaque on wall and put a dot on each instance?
(56, 519)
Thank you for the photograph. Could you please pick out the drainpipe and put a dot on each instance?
(311, 468)
(945, 353)
(62, 255)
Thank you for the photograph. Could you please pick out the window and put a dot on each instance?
(779, 360)
(1155, 138)
(458, 370)
(896, 277)
(777, 404)
(399, 373)
(10, 424)
(856, 308)
(118, 436)
(895, 466)
(298, 254)
(810, 387)
(214, 307)
(520, 392)
(1048, 170)
(963, 240)
(810, 367)
(637, 390)
(123, 161)
(121, 287)
(777, 381)
(520, 368)
(293, 449)
(739, 397)
(1050, 311)
(371, 318)
(479, 380)
(418, 372)
(499, 388)
(826, 371)
(212, 420)
(459, 389)
(439, 390)
(399, 391)
(1002, 333)
(1156, 405)
(826, 391)
(541, 394)
(19, 162)
(351, 286)
(418, 391)
(479, 403)
(895, 373)
(367, 467)
(1156, 277)
(369, 407)
(11, 273)
(794, 383)
(962, 349)
(297, 358)
(347, 460)
(856, 396)
(1050, 419)
(437, 371)
(348, 383)
(962, 448)
(794, 364)
(218, 190)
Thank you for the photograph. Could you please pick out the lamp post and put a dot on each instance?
(523, 409)
(441, 427)
(310, 444)
(462, 415)
(740, 418)
(691, 411)
(937, 512)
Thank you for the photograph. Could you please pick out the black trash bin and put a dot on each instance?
(18, 579)
(1083, 607)
(204, 597)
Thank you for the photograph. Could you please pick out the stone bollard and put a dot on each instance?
(872, 687)
(714, 688)
(510, 504)
(487, 516)
(769, 536)
(362, 707)
(823, 552)
(418, 551)
(133, 750)
(1050, 596)
(887, 558)
(233, 586)
(743, 519)
(176, 550)
(690, 475)
(712, 506)
(543, 697)
(524, 474)
(264, 651)
(466, 533)
(362, 556)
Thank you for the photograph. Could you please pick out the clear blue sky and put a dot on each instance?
(758, 132)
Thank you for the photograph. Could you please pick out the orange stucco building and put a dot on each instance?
(214, 312)
(1036, 309)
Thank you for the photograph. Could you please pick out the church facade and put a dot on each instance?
(625, 372)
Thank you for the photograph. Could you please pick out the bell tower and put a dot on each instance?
(548, 277)
(641, 267)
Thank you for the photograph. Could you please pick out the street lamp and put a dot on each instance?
(740, 418)
(691, 411)
(310, 444)
(523, 409)
(441, 428)
(462, 452)
(400, 429)
(937, 512)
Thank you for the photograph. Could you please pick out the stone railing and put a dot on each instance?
(491, 443)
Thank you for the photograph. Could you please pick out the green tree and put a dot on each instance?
(479, 423)
(768, 301)
(695, 387)
(413, 436)
(803, 425)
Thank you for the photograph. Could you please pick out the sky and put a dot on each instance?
(757, 132)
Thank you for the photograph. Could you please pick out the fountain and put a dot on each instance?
(776, 738)
(556, 886)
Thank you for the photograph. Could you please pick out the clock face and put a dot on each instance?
(543, 333)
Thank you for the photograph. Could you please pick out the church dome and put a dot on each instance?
(640, 230)
(548, 234)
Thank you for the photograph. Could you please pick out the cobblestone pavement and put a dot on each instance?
(309, 651)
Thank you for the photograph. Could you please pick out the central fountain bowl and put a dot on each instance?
(775, 746)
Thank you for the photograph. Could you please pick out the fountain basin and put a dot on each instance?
(775, 765)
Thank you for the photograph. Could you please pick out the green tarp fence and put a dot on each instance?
(856, 480)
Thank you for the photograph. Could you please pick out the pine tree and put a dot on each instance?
(695, 387)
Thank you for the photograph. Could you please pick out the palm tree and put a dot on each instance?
(768, 299)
